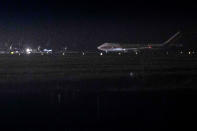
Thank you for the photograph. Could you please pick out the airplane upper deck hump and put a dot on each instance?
(171, 39)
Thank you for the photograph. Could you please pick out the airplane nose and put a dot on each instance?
(99, 47)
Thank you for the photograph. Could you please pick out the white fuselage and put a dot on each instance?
(116, 47)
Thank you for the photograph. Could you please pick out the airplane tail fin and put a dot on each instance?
(172, 39)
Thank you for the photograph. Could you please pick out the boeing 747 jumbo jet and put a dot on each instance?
(116, 47)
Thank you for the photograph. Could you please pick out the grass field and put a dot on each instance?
(75, 90)
(72, 67)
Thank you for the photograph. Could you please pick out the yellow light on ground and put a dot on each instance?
(12, 53)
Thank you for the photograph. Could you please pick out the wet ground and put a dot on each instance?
(73, 91)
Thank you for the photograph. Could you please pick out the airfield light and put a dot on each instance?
(28, 50)
(101, 53)
(83, 53)
(63, 53)
(136, 53)
(193, 52)
(189, 52)
(181, 52)
(167, 53)
(131, 74)
(119, 53)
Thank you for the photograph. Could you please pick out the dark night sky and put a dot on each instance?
(85, 25)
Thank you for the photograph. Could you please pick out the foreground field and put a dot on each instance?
(125, 91)
(36, 68)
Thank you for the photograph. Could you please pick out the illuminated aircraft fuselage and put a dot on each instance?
(116, 47)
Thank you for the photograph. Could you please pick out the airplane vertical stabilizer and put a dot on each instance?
(172, 39)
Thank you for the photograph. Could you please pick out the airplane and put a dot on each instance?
(47, 51)
(116, 47)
